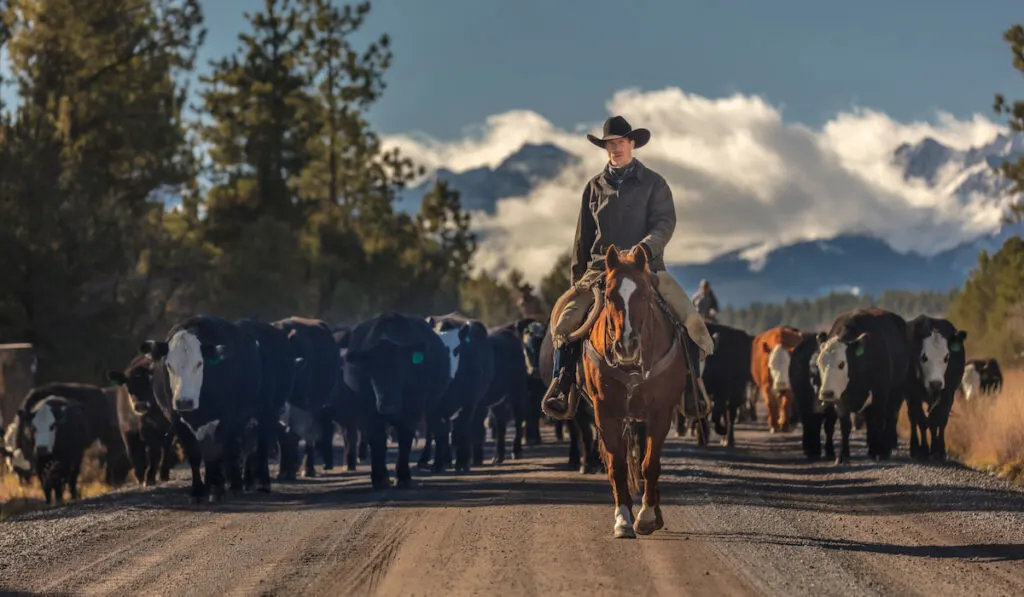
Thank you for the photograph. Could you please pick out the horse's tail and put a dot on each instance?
(632, 460)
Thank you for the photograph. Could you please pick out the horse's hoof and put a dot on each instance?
(625, 532)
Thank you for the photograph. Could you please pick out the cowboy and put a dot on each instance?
(705, 301)
(629, 205)
(529, 305)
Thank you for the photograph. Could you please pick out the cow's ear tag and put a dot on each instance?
(860, 350)
(417, 358)
(214, 360)
(955, 347)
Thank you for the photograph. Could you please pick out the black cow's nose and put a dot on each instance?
(42, 450)
(184, 405)
(828, 395)
(935, 386)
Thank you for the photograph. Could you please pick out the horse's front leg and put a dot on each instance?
(613, 450)
(649, 518)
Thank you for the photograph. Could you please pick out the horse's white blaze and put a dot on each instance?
(451, 341)
(44, 426)
(626, 290)
(934, 356)
(778, 367)
(185, 367)
(970, 384)
(834, 370)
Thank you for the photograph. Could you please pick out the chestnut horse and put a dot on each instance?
(634, 370)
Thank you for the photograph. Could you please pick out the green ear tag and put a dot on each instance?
(860, 350)
(417, 358)
(955, 347)
(214, 361)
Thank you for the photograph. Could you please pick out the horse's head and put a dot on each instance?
(628, 304)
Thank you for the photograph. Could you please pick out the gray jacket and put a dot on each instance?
(639, 211)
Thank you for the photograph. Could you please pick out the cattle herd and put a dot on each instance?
(232, 393)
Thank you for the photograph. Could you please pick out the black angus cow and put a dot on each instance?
(279, 368)
(310, 410)
(506, 396)
(206, 379)
(726, 375)
(397, 369)
(146, 432)
(864, 362)
(981, 376)
(471, 365)
(58, 430)
(532, 333)
(101, 411)
(815, 416)
(584, 452)
(937, 367)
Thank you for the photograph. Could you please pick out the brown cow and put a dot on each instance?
(769, 368)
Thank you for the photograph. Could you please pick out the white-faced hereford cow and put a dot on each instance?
(815, 416)
(206, 379)
(937, 366)
(397, 368)
(309, 412)
(864, 363)
(981, 376)
(59, 433)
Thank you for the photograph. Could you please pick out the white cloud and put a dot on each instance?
(741, 177)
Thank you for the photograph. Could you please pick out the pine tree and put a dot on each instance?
(1014, 111)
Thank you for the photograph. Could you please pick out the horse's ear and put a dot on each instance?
(639, 255)
(611, 258)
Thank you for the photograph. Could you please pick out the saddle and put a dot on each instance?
(681, 340)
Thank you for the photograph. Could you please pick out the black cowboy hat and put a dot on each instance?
(616, 127)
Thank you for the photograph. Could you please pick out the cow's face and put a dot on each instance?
(971, 382)
(934, 357)
(44, 429)
(186, 362)
(834, 360)
(388, 366)
(138, 382)
(453, 340)
(778, 366)
(533, 337)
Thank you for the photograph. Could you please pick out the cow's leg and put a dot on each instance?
(462, 439)
(403, 474)
(351, 432)
(591, 449)
(478, 431)
(426, 452)
(443, 457)
(560, 430)
(309, 461)
(167, 456)
(73, 471)
(154, 453)
(233, 461)
(376, 437)
(265, 435)
(655, 431)
(938, 418)
(326, 441)
(845, 426)
(364, 446)
(730, 422)
(215, 479)
(918, 423)
(811, 436)
(191, 448)
(829, 420)
(136, 448)
(785, 405)
(613, 449)
(288, 443)
(680, 420)
(773, 409)
(500, 425)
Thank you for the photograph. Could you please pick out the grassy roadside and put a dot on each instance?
(15, 499)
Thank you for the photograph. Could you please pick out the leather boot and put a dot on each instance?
(555, 403)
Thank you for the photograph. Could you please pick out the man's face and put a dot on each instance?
(620, 151)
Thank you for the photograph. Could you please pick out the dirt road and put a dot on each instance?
(753, 521)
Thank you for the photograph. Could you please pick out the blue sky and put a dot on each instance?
(459, 61)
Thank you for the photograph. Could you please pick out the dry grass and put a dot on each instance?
(987, 433)
(15, 499)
